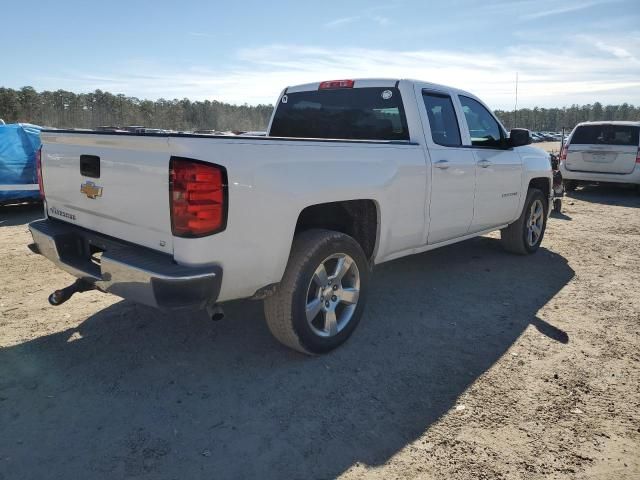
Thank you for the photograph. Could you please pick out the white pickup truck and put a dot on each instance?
(352, 173)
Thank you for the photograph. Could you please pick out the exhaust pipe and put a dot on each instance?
(60, 296)
(215, 312)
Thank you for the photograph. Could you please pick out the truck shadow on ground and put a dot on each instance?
(607, 194)
(136, 392)
(12, 215)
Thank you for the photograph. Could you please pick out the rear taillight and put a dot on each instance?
(563, 152)
(638, 156)
(39, 172)
(336, 84)
(198, 195)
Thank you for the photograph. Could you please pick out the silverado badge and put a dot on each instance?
(91, 190)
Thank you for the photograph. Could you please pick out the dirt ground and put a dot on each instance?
(469, 363)
(549, 146)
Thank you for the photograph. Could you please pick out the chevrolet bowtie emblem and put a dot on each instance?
(91, 190)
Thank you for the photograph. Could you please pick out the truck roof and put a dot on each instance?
(379, 82)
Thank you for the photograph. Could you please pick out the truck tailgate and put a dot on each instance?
(121, 190)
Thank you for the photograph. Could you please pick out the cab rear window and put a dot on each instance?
(373, 113)
(606, 134)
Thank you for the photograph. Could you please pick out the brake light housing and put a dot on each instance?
(39, 172)
(638, 156)
(198, 197)
(563, 152)
(331, 84)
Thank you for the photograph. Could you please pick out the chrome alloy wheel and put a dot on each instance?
(535, 222)
(332, 298)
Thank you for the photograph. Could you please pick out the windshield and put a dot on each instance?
(348, 113)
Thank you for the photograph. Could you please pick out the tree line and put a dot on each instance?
(555, 119)
(64, 109)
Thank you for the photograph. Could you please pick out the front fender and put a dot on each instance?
(535, 164)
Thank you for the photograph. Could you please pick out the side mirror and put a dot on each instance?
(519, 137)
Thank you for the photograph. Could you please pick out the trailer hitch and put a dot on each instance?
(60, 296)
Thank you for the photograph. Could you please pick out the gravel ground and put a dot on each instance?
(548, 146)
(469, 363)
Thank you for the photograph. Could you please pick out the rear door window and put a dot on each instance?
(484, 129)
(606, 134)
(372, 113)
(442, 119)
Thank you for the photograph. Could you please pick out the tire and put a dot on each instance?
(557, 205)
(303, 283)
(516, 237)
(570, 185)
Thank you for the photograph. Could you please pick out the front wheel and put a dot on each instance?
(319, 302)
(525, 234)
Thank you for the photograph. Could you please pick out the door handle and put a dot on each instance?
(442, 164)
(484, 163)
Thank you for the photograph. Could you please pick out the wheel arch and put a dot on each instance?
(359, 219)
(544, 184)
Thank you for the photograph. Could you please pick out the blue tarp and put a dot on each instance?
(19, 143)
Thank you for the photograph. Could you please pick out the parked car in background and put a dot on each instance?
(536, 137)
(219, 133)
(109, 128)
(134, 128)
(156, 130)
(255, 133)
(602, 152)
(19, 149)
(352, 173)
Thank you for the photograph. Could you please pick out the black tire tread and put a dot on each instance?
(511, 236)
(278, 308)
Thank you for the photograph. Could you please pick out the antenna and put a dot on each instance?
(515, 109)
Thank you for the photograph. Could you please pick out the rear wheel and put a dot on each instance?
(321, 297)
(525, 234)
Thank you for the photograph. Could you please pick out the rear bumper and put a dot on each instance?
(129, 271)
(633, 177)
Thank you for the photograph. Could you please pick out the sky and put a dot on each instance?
(563, 52)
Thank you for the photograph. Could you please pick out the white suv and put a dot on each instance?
(602, 152)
